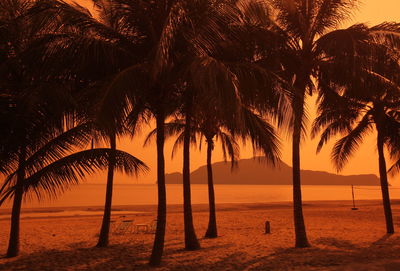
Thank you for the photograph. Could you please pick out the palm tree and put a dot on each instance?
(211, 128)
(296, 38)
(110, 127)
(361, 102)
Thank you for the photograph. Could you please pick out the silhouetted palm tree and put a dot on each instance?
(353, 103)
(111, 125)
(211, 129)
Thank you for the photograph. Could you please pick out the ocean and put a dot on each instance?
(146, 194)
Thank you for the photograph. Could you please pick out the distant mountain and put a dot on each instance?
(255, 171)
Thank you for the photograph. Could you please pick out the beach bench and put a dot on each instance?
(123, 227)
(146, 227)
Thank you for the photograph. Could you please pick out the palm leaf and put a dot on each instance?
(345, 147)
(54, 179)
(262, 135)
(60, 145)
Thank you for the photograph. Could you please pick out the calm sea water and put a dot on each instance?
(139, 194)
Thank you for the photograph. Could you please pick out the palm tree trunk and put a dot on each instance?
(299, 226)
(191, 242)
(13, 244)
(212, 222)
(105, 226)
(384, 185)
(158, 246)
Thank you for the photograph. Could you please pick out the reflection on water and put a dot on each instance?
(139, 194)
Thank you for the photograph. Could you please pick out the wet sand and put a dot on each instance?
(341, 239)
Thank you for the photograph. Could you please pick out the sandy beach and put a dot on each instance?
(342, 239)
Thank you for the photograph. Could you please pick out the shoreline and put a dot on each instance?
(123, 210)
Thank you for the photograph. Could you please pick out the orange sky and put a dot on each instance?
(365, 160)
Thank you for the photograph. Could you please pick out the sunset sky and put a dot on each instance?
(365, 160)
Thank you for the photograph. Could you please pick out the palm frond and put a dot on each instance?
(9, 182)
(262, 136)
(230, 148)
(170, 129)
(254, 12)
(345, 147)
(173, 22)
(59, 145)
(387, 32)
(55, 178)
(331, 13)
(178, 143)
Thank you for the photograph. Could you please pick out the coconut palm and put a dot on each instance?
(230, 147)
(111, 124)
(211, 129)
(300, 37)
(356, 104)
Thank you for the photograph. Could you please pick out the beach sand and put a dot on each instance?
(341, 239)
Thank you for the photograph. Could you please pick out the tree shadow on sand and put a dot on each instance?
(327, 254)
(334, 242)
(335, 255)
(114, 257)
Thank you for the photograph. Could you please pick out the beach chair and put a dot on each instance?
(124, 226)
(146, 227)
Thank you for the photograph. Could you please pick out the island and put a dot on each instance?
(256, 171)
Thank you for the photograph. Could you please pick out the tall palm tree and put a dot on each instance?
(299, 36)
(361, 102)
(211, 129)
(111, 128)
